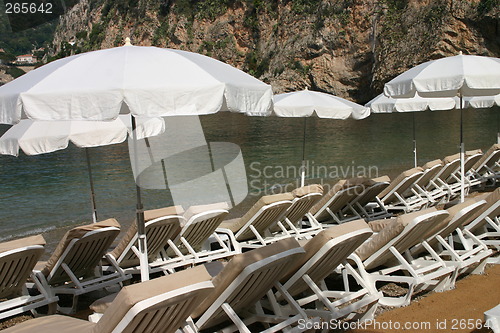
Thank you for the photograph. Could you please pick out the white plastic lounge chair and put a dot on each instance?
(243, 282)
(437, 186)
(327, 251)
(253, 229)
(446, 184)
(17, 260)
(472, 260)
(397, 195)
(488, 166)
(430, 171)
(332, 205)
(486, 224)
(293, 223)
(387, 248)
(74, 267)
(161, 225)
(453, 183)
(367, 204)
(193, 243)
(158, 305)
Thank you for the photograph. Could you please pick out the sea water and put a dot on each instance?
(49, 193)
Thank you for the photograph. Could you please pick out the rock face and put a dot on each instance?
(348, 48)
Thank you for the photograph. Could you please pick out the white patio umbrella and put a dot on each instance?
(142, 81)
(384, 104)
(461, 75)
(306, 103)
(41, 137)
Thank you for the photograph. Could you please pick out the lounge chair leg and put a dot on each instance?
(52, 308)
(398, 301)
(234, 318)
(480, 268)
(447, 282)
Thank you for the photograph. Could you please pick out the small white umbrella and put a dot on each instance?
(306, 103)
(41, 137)
(461, 75)
(137, 80)
(384, 104)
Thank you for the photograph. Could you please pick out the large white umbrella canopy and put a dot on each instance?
(384, 104)
(142, 81)
(461, 75)
(306, 103)
(145, 81)
(468, 75)
(41, 137)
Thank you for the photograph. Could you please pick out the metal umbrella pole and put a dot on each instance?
(462, 152)
(414, 141)
(303, 171)
(498, 127)
(141, 234)
(92, 192)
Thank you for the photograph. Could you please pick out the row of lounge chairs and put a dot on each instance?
(343, 233)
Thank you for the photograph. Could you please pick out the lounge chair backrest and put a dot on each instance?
(266, 211)
(402, 233)
(451, 165)
(158, 305)
(343, 192)
(324, 252)
(16, 266)
(488, 159)
(201, 222)
(246, 279)
(82, 255)
(491, 209)
(471, 158)
(460, 215)
(371, 191)
(161, 225)
(300, 206)
(431, 169)
(400, 184)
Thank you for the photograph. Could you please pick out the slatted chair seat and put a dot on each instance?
(74, 267)
(193, 243)
(158, 305)
(325, 253)
(17, 260)
(161, 225)
(381, 258)
(243, 282)
(252, 229)
(293, 222)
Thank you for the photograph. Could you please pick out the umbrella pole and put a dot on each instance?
(92, 192)
(414, 141)
(303, 169)
(498, 127)
(141, 235)
(462, 153)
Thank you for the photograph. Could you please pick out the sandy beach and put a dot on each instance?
(457, 310)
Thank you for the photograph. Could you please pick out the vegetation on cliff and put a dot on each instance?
(349, 48)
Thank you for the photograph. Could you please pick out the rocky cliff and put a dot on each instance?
(348, 48)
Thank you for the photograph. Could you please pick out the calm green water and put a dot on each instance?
(48, 193)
